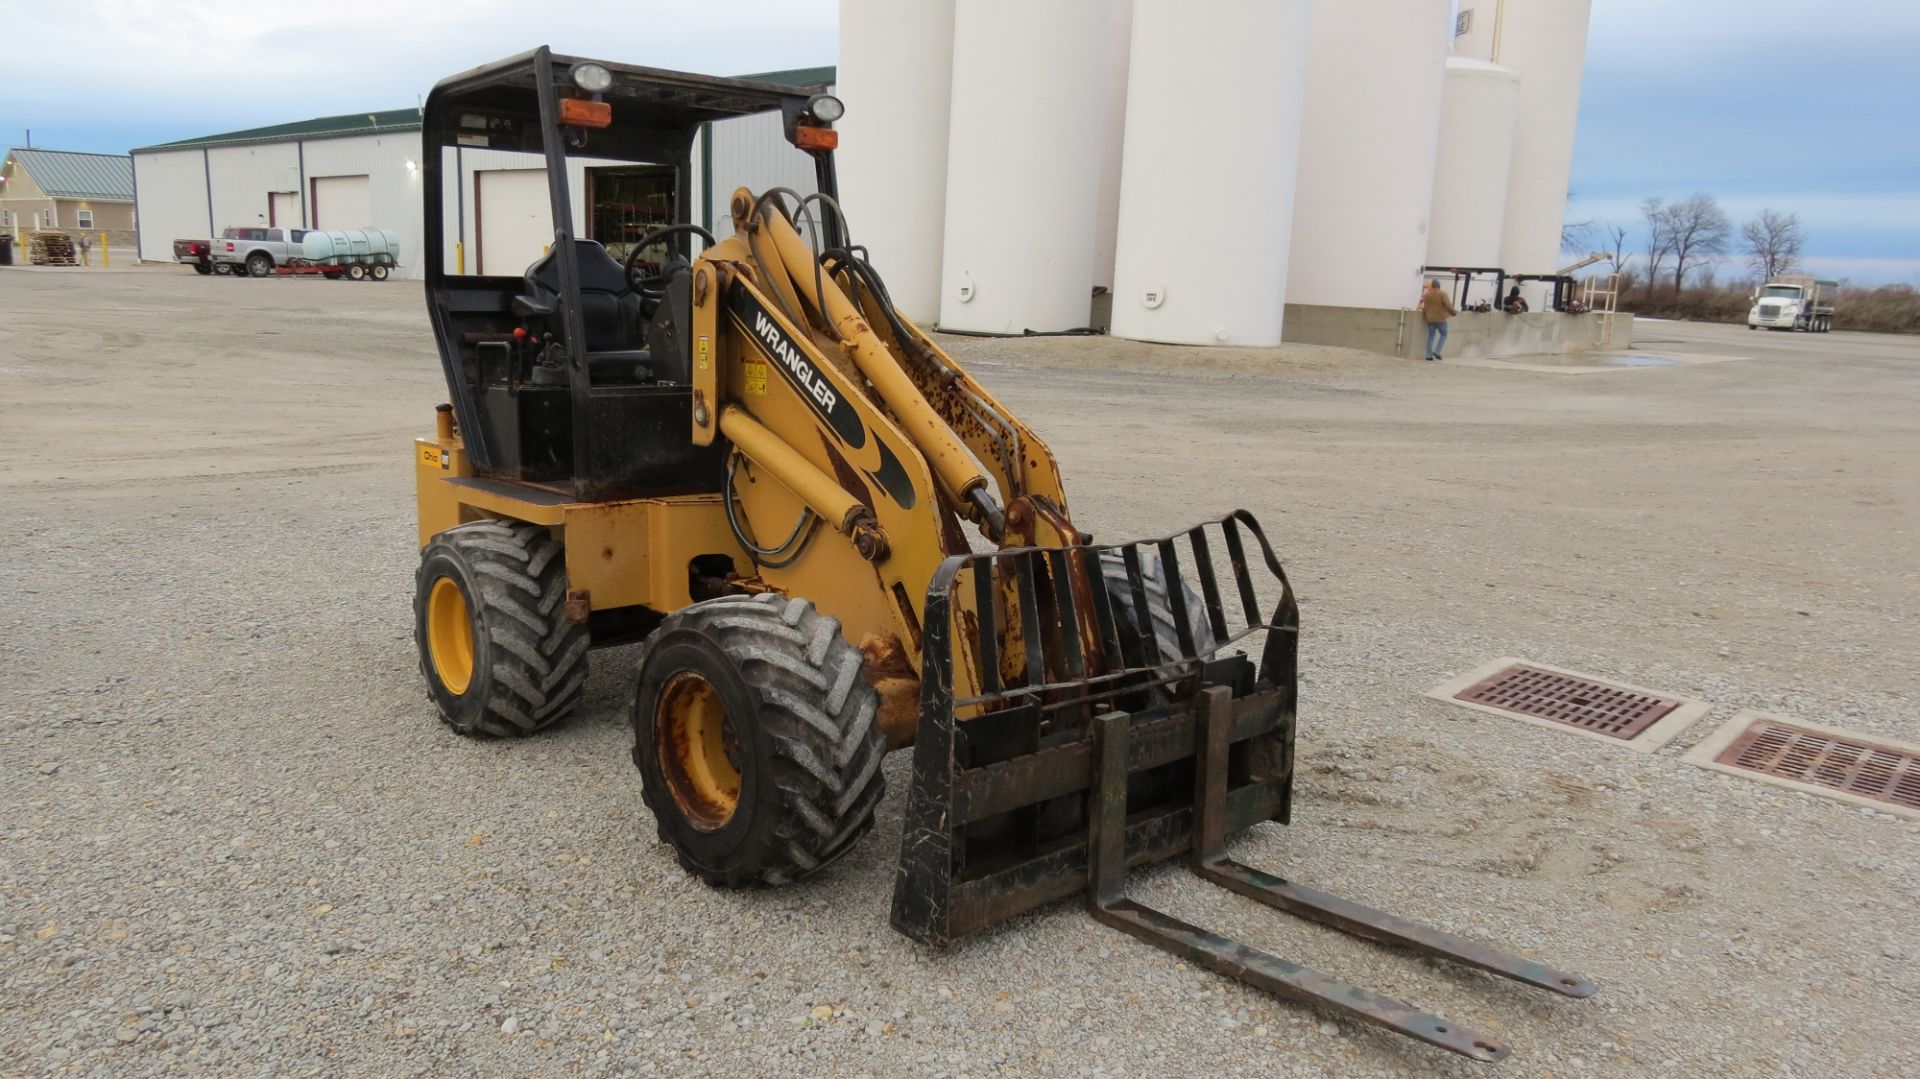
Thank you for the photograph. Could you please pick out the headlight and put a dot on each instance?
(825, 108)
(593, 78)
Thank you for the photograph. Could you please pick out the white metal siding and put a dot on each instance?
(342, 202)
(753, 152)
(458, 206)
(515, 220)
(173, 191)
(283, 210)
(393, 189)
(242, 178)
(172, 201)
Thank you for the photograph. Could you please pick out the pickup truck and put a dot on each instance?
(254, 252)
(355, 254)
(195, 253)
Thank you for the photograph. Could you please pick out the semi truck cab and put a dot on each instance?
(1793, 303)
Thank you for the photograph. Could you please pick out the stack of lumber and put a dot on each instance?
(49, 248)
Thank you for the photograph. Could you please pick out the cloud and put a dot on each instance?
(147, 71)
(1760, 103)
(1875, 271)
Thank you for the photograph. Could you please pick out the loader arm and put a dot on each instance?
(846, 481)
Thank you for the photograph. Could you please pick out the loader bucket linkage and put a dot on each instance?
(1084, 749)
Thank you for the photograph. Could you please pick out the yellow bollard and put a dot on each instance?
(106, 257)
(459, 258)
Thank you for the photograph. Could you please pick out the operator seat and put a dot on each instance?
(611, 310)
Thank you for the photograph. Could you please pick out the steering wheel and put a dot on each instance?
(642, 282)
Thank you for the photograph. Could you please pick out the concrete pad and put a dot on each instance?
(1714, 744)
(1651, 740)
(1594, 363)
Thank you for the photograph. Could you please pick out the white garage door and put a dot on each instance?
(515, 219)
(342, 202)
(283, 209)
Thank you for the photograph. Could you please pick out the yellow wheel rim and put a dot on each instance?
(450, 635)
(694, 745)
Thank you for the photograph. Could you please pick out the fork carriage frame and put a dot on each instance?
(1097, 760)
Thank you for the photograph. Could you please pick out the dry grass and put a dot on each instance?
(1885, 309)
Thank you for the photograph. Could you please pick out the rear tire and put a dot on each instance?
(260, 264)
(202, 268)
(489, 615)
(755, 737)
(379, 273)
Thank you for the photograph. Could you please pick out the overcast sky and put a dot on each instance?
(1804, 105)
(1811, 106)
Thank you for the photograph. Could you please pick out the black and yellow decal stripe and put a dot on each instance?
(820, 394)
(794, 365)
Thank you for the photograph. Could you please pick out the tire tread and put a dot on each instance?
(538, 659)
(820, 723)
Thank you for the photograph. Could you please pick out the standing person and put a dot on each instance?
(1437, 307)
(86, 250)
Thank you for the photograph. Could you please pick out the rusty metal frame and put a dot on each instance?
(1112, 734)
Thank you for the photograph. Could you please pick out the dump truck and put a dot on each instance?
(832, 542)
(1793, 302)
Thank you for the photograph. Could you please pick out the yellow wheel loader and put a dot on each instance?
(832, 541)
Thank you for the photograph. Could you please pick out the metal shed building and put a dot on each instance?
(362, 170)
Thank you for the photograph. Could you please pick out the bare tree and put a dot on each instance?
(1659, 238)
(1577, 236)
(1574, 235)
(1773, 242)
(1698, 230)
(1615, 237)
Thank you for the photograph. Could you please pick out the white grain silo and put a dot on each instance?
(895, 68)
(1023, 165)
(1113, 127)
(1375, 76)
(1214, 97)
(1471, 167)
(1544, 43)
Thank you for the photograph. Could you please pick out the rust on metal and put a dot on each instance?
(1106, 897)
(889, 669)
(579, 604)
(1615, 711)
(1856, 766)
(1076, 752)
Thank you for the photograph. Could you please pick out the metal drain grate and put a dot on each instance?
(1853, 766)
(1614, 711)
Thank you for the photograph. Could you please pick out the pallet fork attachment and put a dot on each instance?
(1108, 753)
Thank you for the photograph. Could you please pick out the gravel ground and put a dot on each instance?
(234, 839)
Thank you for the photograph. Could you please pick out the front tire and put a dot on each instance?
(755, 737)
(489, 613)
(379, 273)
(1166, 631)
(356, 272)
